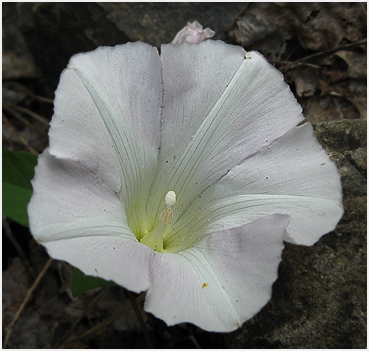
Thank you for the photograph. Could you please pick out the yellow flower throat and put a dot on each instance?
(154, 239)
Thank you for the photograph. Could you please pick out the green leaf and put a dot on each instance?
(82, 282)
(18, 171)
(19, 168)
(15, 201)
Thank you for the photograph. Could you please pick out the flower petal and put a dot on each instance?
(70, 201)
(107, 115)
(292, 176)
(222, 281)
(122, 260)
(79, 219)
(220, 108)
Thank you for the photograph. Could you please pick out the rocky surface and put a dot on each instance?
(319, 299)
(56, 31)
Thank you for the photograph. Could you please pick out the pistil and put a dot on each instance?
(155, 238)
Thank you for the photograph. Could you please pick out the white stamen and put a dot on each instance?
(170, 198)
(154, 239)
(167, 215)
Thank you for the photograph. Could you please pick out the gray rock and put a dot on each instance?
(56, 31)
(319, 299)
(158, 23)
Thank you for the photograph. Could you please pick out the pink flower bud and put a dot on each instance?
(193, 33)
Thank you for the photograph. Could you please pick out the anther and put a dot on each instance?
(167, 215)
(170, 198)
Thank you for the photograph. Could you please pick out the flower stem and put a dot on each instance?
(138, 312)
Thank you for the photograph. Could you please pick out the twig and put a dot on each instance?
(27, 111)
(75, 323)
(26, 299)
(238, 16)
(17, 86)
(138, 312)
(94, 329)
(19, 136)
(102, 324)
(12, 109)
(42, 99)
(322, 53)
(292, 63)
(363, 7)
(14, 241)
(331, 51)
(9, 141)
(194, 341)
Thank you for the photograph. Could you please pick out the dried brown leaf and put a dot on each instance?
(306, 81)
(317, 26)
(356, 63)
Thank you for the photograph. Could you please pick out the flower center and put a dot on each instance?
(155, 238)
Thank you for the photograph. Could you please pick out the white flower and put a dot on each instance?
(181, 175)
(193, 33)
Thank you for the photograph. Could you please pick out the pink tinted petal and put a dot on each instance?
(193, 33)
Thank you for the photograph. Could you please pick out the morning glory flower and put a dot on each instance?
(181, 174)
